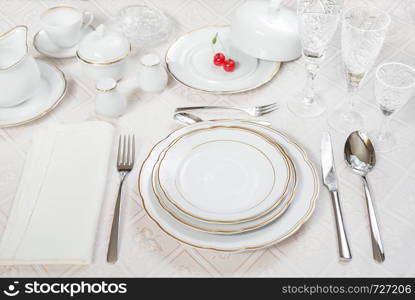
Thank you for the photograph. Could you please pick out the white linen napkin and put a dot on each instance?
(57, 206)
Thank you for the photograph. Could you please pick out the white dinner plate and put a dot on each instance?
(190, 61)
(298, 213)
(225, 228)
(51, 90)
(224, 174)
(45, 46)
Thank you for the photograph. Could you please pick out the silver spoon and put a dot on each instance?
(360, 156)
(188, 119)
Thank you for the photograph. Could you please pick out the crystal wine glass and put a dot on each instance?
(318, 21)
(394, 86)
(363, 33)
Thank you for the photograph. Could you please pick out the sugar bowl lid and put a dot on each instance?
(266, 30)
(103, 46)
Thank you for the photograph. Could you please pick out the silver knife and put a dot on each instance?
(330, 181)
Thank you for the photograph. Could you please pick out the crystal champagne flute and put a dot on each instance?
(363, 33)
(318, 21)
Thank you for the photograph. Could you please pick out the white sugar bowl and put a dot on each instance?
(152, 76)
(109, 102)
(266, 30)
(103, 54)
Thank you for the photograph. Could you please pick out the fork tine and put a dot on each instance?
(119, 151)
(266, 106)
(128, 150)
(124, 152)
(267, 111)
(133, 151)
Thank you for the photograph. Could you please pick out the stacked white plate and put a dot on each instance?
(228, 185)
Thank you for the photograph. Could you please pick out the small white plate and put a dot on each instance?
(50, 92)
(287, 224)
(190, 61)
(44, 45)
(224, 175)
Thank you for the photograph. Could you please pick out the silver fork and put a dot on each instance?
(255, 111)
(125, 163)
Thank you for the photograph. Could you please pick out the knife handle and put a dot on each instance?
(344, 249)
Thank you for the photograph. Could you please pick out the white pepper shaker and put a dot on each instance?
(152, 76)
(109, 102)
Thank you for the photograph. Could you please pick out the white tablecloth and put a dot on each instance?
(312, 251)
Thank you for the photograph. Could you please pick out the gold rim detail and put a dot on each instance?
(27, 47)
(288, 234)
(281, 197)
(55, 104)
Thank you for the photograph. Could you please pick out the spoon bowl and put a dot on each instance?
(359, 153)
(186, 118)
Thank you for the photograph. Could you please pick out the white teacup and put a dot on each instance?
(64, 24)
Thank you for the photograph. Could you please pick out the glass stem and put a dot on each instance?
(312, 69)
(384, 126)
(353, 82)
(352, 92)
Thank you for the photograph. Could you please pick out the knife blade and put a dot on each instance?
(330, 181)
(327, 163)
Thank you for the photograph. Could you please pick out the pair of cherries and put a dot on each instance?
(220, 60)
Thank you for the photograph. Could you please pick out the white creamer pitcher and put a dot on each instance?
(19, 72)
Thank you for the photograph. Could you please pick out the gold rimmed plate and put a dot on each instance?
(225, 228)
(50, 92)
(284, 226)
(190, 61)
(224, 174)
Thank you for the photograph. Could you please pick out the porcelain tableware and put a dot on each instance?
(190, 61)
(44, 45)
(64, 24)
(19, 72)
(224, 174)
(152, 76)
(51, 90)
(218, 228)
(109, 102)
(300, 209)
(103, 53)
(266, 30)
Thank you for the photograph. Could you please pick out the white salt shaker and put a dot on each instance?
(152, 76)
(109, 102)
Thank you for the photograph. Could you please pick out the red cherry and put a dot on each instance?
(229, 65)
(218, 59)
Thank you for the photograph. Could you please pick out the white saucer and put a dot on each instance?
(44, 45)
(51, 91)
